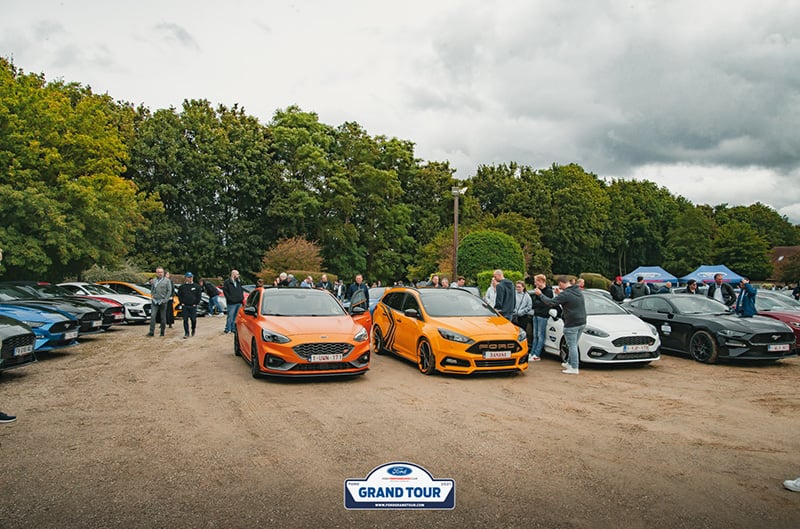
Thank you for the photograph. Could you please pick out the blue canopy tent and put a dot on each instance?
(706, 273)
(651, 274)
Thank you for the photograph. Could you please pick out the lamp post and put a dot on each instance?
(457, 192)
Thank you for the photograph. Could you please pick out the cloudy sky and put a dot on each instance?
(702, 97)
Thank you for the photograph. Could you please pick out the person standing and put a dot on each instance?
(541, 313)
(796, 292)
(434, 282)
(161, 295)
(213, 296)
(746, 302)
(639, 288)
(573, 306)
(324, 283)
(358, 285)
(189, 295)
(616, 290)
(338, 289)
(461, 282)
(691, 287)
(722, 292)
(234, 296)
(491, 293)
(523, 306)
(504, 302)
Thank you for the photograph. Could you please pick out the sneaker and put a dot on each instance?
(185, 336)
(571, 371)
(564, 365)
(792, 484)
(6, 418)
(534, 358)
(192, 332)
(149, 334)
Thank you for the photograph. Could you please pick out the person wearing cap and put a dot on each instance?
(573, 306)
(746, 302)
(189, 295)
(616, 290)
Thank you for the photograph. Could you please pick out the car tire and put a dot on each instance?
(563, 350)
(703, 347)
(254, 360)
(378, 345)
(237, 351)
(426, 360)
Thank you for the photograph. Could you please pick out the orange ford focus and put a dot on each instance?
(296, 332)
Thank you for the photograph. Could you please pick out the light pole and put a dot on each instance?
(457, 192)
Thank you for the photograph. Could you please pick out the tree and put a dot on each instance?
(689, 241)
(790, 271)
(296, 253)
(768, 223)
(742, 250)
(63, 201)
(487, 249)
(525, 230)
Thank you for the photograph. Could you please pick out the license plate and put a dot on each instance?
(70, 335)
(119, 316)
(326, 358)
(23, 350)
(497, 354)
(778, 347)
(97, 323)
(634, 348)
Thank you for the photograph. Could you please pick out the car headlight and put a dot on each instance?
(361, 336)
(727, 333)
(33, 324)
(272, 336)
(591, 331)
(522, 336)
(653, 330)
(795, 324)
(447, 334)
(132, 304)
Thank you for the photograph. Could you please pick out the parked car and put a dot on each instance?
(123, 287)
(708, 332)
(612, 335)
(17, 342)
(90, 320)
(53, 328)
(778, 308)
(447, 330)
(111, 311)
(297, 332)
(137, 308)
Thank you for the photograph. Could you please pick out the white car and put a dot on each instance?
(612, 335)
(137, 308)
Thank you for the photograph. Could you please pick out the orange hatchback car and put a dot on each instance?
(296, 332)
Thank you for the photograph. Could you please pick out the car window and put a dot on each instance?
(410, 302)
(253, 299)
(443, 303)
(394, 300)
(597, 304)
(358, 299)
(655, 304)
(98, 290)
(698, 305)
(299, 302)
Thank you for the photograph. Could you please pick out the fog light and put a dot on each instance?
(274, 361)
(451, 361)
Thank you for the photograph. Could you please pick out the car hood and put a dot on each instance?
(785, 316)
(481, 327)
(754, 324)
(313, 328)
(619, 324)
(27, 313)
(52, 303)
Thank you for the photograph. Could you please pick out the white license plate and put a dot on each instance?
(778, 347)
(326, 358)
(119, 316)
(97, 323)
(23, 350)
(70, 335)
(634, 348)
(497, 354)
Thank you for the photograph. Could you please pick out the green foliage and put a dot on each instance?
(295, 253)
(689, 241)
(775, 229)
(790, 271)
(591, 280)
(488, 249)
(742, 250)
(63, 201)
(128, 272)
(484, 278)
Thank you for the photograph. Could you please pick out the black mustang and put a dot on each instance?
(707, 331)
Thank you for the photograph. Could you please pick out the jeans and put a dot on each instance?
(212, 303)
(158, 312)
(189, 313)
(572, 335)
(539, 335)
(230, 323)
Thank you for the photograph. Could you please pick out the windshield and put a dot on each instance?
(98, 290)
(598, 304)
(767, 302)
(47, 291)
(10, 293)
(299, 302)
(445, 303)
(697, 305)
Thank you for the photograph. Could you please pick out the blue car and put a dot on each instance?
(53, 329)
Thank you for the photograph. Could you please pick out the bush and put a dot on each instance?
(489, 250)
(596, 281)
(485, 278)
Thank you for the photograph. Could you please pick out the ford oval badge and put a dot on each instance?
(399, 471)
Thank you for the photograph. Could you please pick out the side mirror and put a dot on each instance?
(411, 313)
(250, 311)
(358, 310)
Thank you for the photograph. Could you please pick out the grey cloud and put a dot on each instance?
(178, 33)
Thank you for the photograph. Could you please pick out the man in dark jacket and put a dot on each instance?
(504, 301)
(325, 284)
(722, 292)
(213, 296)
(541, 313)
(234, 295)
(617, 290)
(639, 288)
(574, 314)
(746, 304)
(189, 295)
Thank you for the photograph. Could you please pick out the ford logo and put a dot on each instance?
(399, 471)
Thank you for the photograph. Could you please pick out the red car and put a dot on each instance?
(774, 307)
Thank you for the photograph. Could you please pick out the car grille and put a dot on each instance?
(147, 309)
(497, 345)
(768, 338)
(633, 340)
(305, 350)
(63, 326)
(9, 344)
(87, 319)
(325, 366)
(634, 356)
(506, 362)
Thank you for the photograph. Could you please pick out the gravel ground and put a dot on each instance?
(126, 431)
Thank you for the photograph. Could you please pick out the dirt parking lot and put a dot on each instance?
(125, 431)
